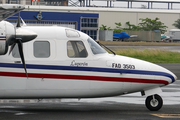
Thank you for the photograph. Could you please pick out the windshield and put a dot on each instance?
(96, 48)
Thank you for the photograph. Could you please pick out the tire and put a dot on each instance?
(154, 105)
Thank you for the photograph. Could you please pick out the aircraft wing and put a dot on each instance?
(7, 10)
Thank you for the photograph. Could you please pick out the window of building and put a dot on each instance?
(89, 22)
(41, 49)
(76, 49)
(90, 27)
(91, 33)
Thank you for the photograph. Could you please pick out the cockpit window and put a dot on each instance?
(76, 49)
(96, 48)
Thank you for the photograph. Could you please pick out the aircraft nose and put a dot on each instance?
(172, 75)
(175, 77)
(167, 73)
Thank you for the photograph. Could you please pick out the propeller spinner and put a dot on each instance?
(21, 35)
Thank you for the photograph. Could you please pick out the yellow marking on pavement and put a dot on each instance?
(167, 115)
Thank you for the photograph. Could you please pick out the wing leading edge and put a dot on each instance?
(7, 10)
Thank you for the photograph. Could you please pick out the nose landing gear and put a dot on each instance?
(154, 102)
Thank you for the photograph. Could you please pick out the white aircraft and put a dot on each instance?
(66, 63)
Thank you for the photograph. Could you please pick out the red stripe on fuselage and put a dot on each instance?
(83, 77)
(2, 39)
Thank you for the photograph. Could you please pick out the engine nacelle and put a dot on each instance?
(7, 32)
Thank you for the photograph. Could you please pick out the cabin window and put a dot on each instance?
(41, 49)
(15, 52)
(72, 33)
(76, 49)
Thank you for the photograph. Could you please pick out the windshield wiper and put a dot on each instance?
(106, 47)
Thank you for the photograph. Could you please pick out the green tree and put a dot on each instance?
(132, 27)
(118, 28)
(177, 23)
(118, 25)
(104, 27)
(148, 24)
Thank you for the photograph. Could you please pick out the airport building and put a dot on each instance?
(89, 19)
(85, 22)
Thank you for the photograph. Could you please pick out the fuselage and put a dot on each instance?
(65, 63)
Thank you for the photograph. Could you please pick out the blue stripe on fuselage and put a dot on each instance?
(91, 69)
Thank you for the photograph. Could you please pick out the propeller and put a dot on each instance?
(21, 35)
(19, 42)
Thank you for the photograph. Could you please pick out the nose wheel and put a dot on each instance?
(154, 102)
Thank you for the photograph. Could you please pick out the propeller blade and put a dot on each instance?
(19, 21)
(22, 55)
(21, 36)
(12, 47)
